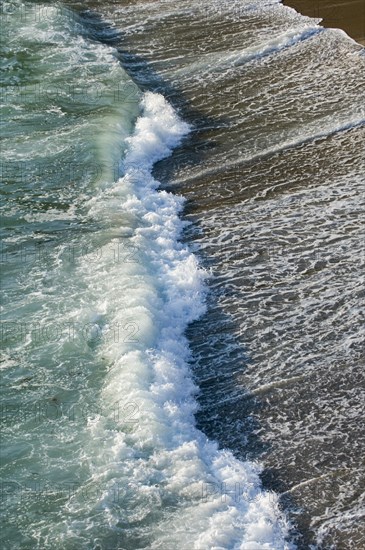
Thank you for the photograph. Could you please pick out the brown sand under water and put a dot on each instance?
(348, 15)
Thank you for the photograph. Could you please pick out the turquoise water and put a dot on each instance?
(67, 108)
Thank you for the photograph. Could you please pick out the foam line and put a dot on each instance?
(154, 372)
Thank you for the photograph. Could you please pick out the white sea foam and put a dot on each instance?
(312, 133)
(217, 62)
(201, 497)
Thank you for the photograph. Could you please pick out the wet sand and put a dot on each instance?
(348, 15)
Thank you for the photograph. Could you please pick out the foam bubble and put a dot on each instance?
(203, 496)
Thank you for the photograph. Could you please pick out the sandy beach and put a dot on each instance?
(348, 15)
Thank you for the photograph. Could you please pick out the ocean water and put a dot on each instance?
(182, 277)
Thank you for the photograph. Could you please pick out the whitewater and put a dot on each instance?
(165, 461)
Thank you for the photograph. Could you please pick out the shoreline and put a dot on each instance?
(348, 15)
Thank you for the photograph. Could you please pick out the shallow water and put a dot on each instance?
(99, 406)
